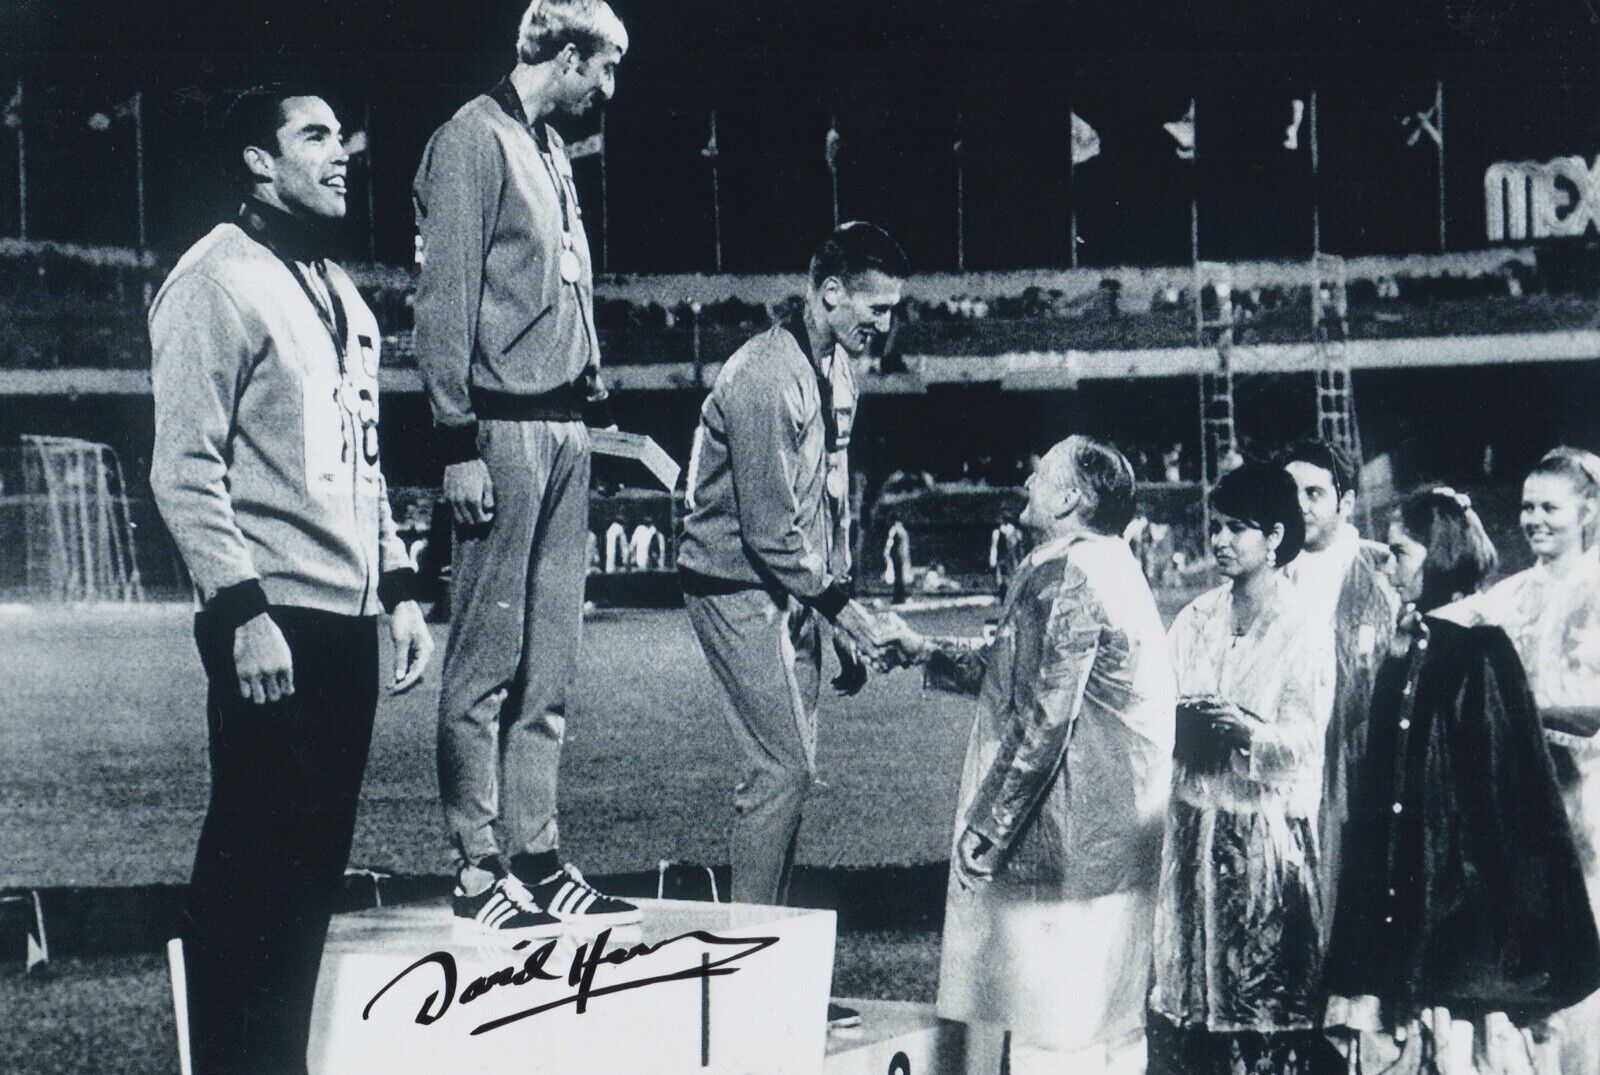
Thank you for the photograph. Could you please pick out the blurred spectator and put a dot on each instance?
(936, 580)
(897, 560)
(1005, 553)
(616, 547)
(1171, 463)
(647, 548)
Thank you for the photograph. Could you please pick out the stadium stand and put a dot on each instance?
(71, 307)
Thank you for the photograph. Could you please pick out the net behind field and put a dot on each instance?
(77, 536)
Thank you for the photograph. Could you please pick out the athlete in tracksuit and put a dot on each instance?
(506, 343)
(764, 556)
(265, 470)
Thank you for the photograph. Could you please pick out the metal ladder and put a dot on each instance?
(1214, 326)
(1330, 318)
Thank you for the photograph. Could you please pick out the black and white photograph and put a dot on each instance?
(863, 537)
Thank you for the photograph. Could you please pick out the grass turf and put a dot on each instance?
(103, 781)
(103, 769)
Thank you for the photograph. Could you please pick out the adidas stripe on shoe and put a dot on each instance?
(503, 909)
(567, 896)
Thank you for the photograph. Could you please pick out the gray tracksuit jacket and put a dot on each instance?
(496, 325)
(768, 482)
(265, 467)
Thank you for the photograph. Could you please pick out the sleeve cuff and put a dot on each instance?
(398, 585)
(597, 413)
(456, 444)
(830, 602)
(235, 605)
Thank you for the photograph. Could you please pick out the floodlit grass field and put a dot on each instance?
(103, 768)
(103, 782)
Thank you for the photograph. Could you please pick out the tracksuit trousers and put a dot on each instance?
(285, 784)
(766, 652)
(516, 593)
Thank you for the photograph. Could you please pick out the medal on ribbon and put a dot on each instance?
(570, 267)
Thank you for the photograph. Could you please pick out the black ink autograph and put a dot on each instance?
(580, 974)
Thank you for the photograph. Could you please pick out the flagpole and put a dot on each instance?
(716, 193)
(22, 182)
(961, 218)
(1316, 192)
(372, 176)
(1438, 106)
(22, 164)
(1072, 192)
(605, 203)
(1194, 187)
(961, 199)
(138, 160)
(833, 163)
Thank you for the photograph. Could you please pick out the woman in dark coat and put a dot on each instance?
(1462, 917)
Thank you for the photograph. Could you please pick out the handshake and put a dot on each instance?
(882, 640)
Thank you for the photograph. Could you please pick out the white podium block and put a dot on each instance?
(896, 1038)
(696, 987)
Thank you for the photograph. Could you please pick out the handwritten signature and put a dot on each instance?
(580, 974)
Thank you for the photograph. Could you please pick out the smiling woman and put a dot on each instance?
(1552, 613)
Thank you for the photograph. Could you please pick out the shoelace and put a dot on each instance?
(518, 894)
(571, 872)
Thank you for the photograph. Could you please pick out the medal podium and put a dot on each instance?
(695, 987)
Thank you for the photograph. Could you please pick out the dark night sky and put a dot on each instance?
(1520, 82)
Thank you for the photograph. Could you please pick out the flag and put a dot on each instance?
(830, 147)
(710, 151)
(13, 116)
(1085, 140)
(1422, 123)
(587, 147)
(1182, 131)
(1291, 135)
